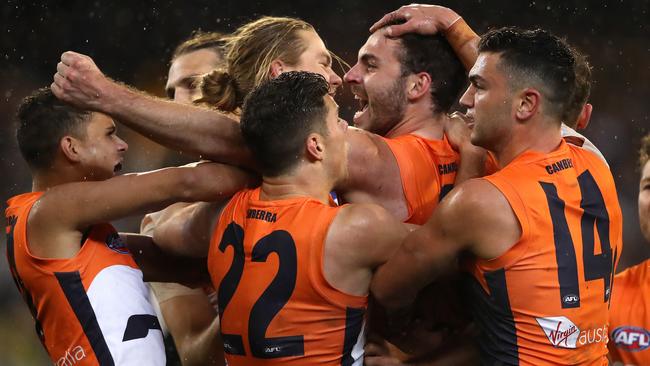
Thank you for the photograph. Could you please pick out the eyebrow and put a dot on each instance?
(328, 57)
(367, 57)
(475, 78)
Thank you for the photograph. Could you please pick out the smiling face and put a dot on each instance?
(317, 59)
(184, 70)
(489, 103)
(377, 82)
(100, 150)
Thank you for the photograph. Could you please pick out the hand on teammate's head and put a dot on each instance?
(79, 81)
(416, 18)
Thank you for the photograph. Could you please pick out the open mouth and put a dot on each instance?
(363, 106)
(117, 167)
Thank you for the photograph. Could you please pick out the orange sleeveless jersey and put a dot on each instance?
(92, 309)
(629, 317)
(428, 171)
(545, 301)
(276, 307)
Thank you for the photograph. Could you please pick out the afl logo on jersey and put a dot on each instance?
(631, 339)
(571, 299)
(115, 243)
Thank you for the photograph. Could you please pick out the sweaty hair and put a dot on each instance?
(200, 40)
(250, 51)
(434, 55)
(536, 58)
(278, 116)
(581, 92)
(644, 151)
(42, 121)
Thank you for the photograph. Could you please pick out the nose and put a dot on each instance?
(353, 76)
(334, 79)
(467, 100)
(122, 146)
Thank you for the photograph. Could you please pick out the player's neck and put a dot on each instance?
(44, 180)
(304, 183)
(418, 120)
(541, 138)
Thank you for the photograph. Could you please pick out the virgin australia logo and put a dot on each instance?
(560, 331)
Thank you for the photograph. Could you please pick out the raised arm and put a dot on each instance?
(193, 130)
(432, 19)
(66, 210)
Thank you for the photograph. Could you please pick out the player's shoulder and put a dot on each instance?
(361, 216)
(636, 275)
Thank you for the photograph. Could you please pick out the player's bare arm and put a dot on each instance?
(475, 217)
(189, 230)
(361, 237)
(193, 130)
(63, 213)
(432, 19)
(159, 266)
(373, 174)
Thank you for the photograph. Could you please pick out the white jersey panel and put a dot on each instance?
(121, 304)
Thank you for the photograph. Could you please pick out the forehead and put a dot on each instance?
(100, 119)
(313, 42)
(193, 63)
(380, 46)
(485, 66)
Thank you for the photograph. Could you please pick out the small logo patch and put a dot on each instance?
(632, 339)
(560, 331)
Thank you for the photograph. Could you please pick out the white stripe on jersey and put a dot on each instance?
(116, 293)
(357, 349)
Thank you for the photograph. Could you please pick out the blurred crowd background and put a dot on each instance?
(132, 42)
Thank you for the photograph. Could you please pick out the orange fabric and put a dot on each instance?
(629, 316)
(314, 310)
(427, 169)
(62, 333)
(526, 315)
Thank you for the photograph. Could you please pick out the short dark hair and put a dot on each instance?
(434, 55)
(644, 151)
(581, 92)
(199, 40)
(538, 56)
(279, 114)
(42, 121)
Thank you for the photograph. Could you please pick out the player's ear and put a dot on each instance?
(418, 85)
(315, 147)
(70, 148)
(276, 68)
(584, 117)
(527, 104)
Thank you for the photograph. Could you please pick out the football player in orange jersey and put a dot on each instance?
(545, 230)
(74, 271)
(305, 304)
(189, 314)
(407, 173)
(629, 327)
